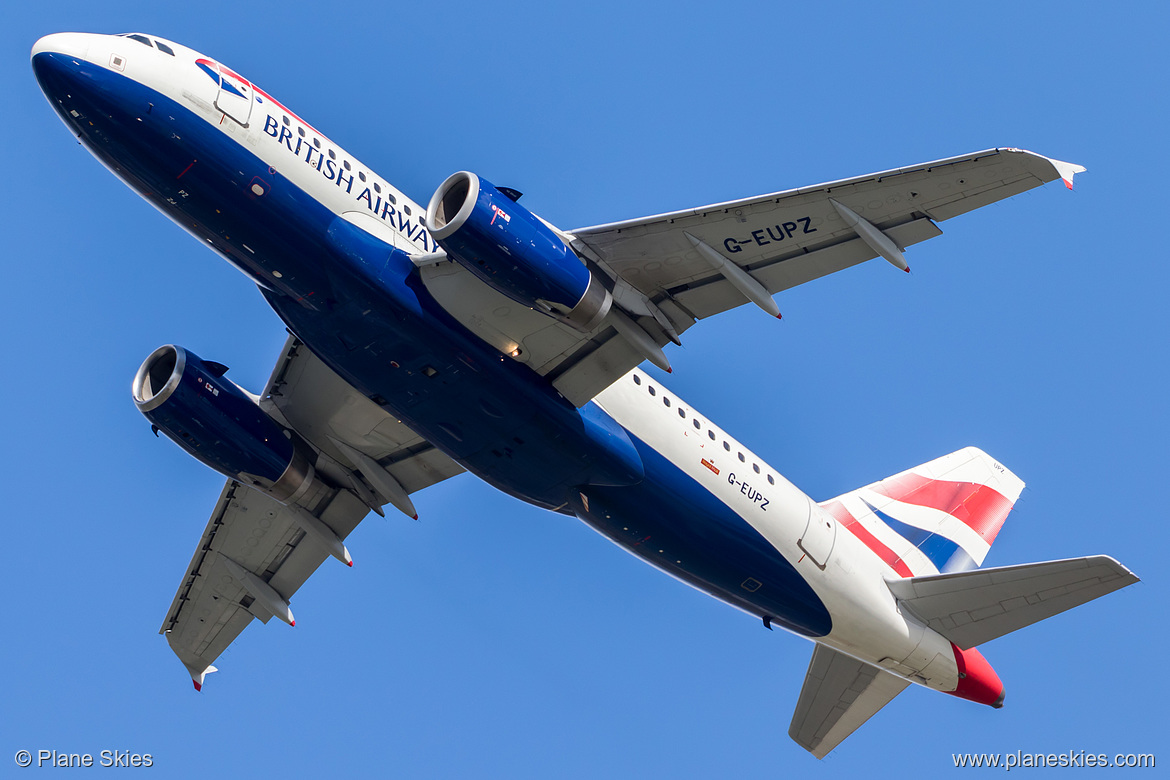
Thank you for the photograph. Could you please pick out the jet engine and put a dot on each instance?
(223, 427)
(514, 252)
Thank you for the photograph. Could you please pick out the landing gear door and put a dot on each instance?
(820, 534)
(235, 97)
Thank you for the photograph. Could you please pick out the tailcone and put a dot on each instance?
(978, 682)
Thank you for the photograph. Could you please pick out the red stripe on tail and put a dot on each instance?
(982, 508)
(843, 516)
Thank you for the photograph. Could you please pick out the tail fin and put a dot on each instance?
(941, 516)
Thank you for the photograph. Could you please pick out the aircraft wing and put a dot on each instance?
(255, 552)
(663, 272)
(840, 694)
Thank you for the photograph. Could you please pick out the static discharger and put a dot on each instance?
(739, 278)
(876, 239)
(259, 590)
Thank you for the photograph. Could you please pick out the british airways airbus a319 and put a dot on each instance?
(471, 335)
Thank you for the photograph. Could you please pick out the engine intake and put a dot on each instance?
(219, 424)
(514, 252)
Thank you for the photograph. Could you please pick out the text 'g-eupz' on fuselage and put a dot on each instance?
(332, 171)
(749, 491)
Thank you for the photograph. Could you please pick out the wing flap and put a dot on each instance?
(961, 203)
(714, 294)
(973, 607)
(840, 694)
(587, 376)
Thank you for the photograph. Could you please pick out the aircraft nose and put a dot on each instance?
(70, 44)
(60, 66)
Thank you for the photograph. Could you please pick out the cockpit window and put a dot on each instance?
(141, 39)
(164, 48)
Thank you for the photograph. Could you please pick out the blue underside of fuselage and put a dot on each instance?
(362, 308)
(676, 524)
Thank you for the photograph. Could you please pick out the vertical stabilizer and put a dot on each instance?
(942, 516)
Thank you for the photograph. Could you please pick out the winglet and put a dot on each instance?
(1066, 171)
(197, 677)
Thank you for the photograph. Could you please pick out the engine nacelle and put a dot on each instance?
(219, 424)
(511, 250)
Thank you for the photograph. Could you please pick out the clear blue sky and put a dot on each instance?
(492, 639)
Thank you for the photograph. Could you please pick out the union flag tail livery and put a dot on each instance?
(939, 517)
(472, 335)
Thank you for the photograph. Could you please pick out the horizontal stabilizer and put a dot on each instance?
(839, 695)
(973, 607)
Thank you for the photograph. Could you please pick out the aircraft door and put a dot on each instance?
(235, 96)
(820, 534)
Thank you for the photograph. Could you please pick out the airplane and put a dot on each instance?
(472, 335)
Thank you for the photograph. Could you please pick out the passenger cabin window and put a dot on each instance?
(711, 435)
(285, 119)
(770, 480)
(141, 39)
(407, 210)
(682, 413)
(727, 446)
(651, 389)
(666, 400)
(362, 175)
(741, 458)
(377, 187)
(756, 467)
(164, 48)
(301, 132)
(637, 379)
(695, 422)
